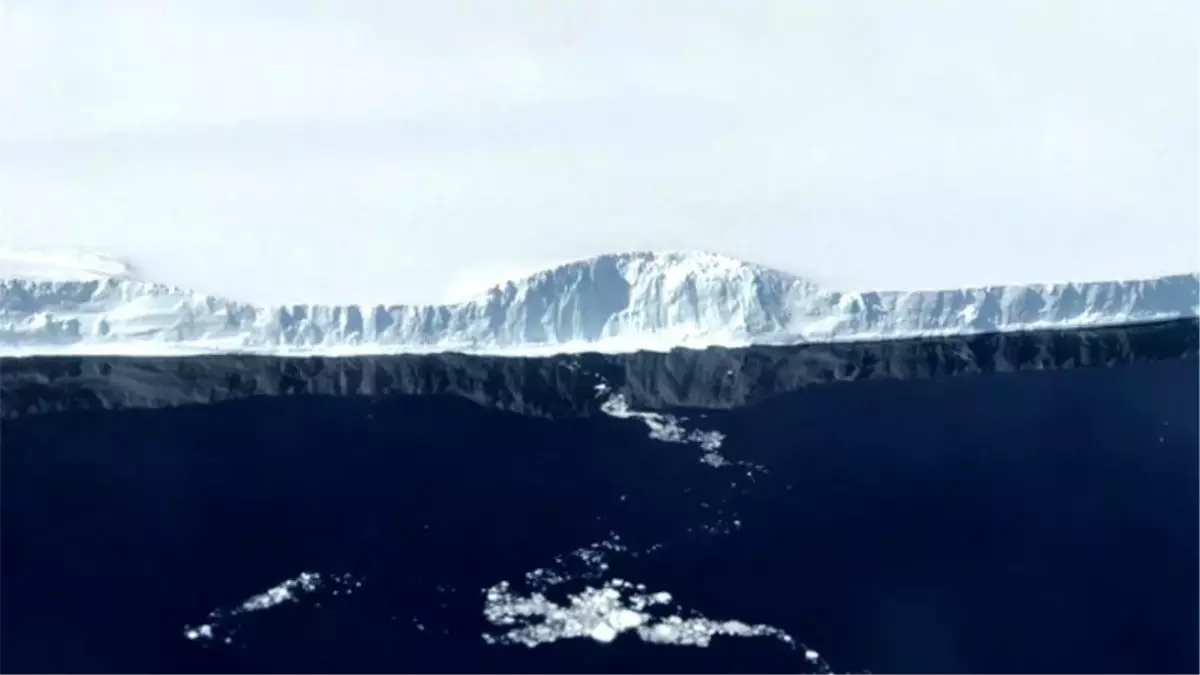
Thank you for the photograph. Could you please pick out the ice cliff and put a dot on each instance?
(619, 302)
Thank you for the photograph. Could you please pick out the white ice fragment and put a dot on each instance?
(668, 429)
(204, 631)
(603, 614)
(287, 591)
(306, 582)
(604, 633)
(624, 619)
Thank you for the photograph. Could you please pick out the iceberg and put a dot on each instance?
(91, 303)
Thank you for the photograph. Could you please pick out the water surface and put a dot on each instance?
(1009, 503)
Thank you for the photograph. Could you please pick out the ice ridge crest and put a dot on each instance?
(618, 302)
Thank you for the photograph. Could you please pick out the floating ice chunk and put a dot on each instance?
(307, 582)
(290, 590)
(603, 614)
(203, 631)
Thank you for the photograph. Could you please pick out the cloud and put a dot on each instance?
(374, 150)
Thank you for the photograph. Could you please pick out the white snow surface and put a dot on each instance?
(61, 265)
(88, 303)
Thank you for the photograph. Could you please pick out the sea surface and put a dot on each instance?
(999, 503)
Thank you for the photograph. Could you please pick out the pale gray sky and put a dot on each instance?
(392, 150)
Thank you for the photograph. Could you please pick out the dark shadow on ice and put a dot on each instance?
(555, 386)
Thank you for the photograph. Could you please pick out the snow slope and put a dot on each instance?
(68, 302)
(62, 265)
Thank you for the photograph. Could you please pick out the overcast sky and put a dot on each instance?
(389, 150)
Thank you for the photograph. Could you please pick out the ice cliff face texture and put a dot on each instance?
(619, 302)
(565, 385)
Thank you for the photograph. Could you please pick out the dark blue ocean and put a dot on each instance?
(1020, 503)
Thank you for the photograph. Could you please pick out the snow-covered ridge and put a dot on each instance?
(63, 264)
(619, 302)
